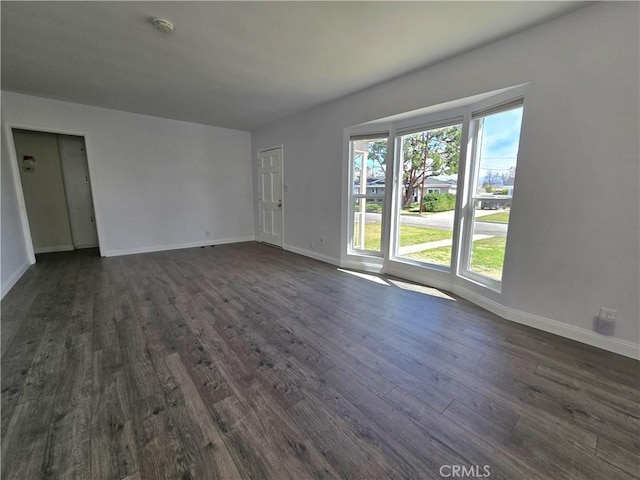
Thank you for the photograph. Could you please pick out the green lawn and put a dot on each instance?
(414, 235)
(487, 256)
(372, 207)
(440, 255)
(500, 217)
(372, 235)
(408, 235)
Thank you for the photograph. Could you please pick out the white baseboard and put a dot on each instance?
(368, 267)
(397, 271)
(312, 254)
(13, 279)
(177, 246)
(611, 344)
(58, 248)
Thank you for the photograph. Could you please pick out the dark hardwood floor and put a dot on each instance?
(245, 361)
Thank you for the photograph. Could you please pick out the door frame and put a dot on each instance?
(259, 193)
(65, 184)
(15, 170)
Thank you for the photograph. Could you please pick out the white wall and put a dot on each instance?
(574, 236)
(43, 191)
(157, 183)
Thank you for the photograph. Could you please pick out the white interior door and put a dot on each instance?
(270, 195)
(76, 177)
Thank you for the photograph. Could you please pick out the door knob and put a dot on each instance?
(279, 203)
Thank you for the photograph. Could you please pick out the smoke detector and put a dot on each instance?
(163, 25)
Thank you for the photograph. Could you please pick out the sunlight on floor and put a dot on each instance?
(366, 276)
(399, 283)
(421, 289)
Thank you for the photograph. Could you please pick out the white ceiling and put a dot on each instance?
(238, 64)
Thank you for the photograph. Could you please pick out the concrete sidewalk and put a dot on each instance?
(428, 246)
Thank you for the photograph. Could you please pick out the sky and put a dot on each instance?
(500, 139)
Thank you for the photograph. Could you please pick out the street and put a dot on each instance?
(444, 220)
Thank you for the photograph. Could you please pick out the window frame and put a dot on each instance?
(394, 127)
(444, 119)
(353, 197)
(472, 164)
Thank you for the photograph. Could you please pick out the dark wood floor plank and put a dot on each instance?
(463, 444)
(503, 396)
(161, 454)
(25, 439)
(436, 397)
(431, 446)
(337, 358)
(68, 446)
(240, 427)
(30, 358)
(280, 449)
(256, 416)
(19, 305)
(46, 365)
(619, 457)
(402, 459)
(292, 446)
(496, 428)
(614, 395)
(11, 388)
(211, 443)
(69, 458)
(333, 437)
(113, 442)
(549, 446)
(105, 333)
(246, 361)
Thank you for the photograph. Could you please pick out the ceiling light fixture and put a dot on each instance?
(163, 25)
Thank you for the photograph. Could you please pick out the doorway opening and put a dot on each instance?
(56, 187)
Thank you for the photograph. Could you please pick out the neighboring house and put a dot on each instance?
(433, 185)
(508, 185)
(375, 186)
(500, 197)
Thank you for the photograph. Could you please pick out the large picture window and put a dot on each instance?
(452, 175)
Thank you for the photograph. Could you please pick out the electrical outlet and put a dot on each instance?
(606, 321)
(604, 326)
(607, 314)
(313, 243)
(322, 240)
